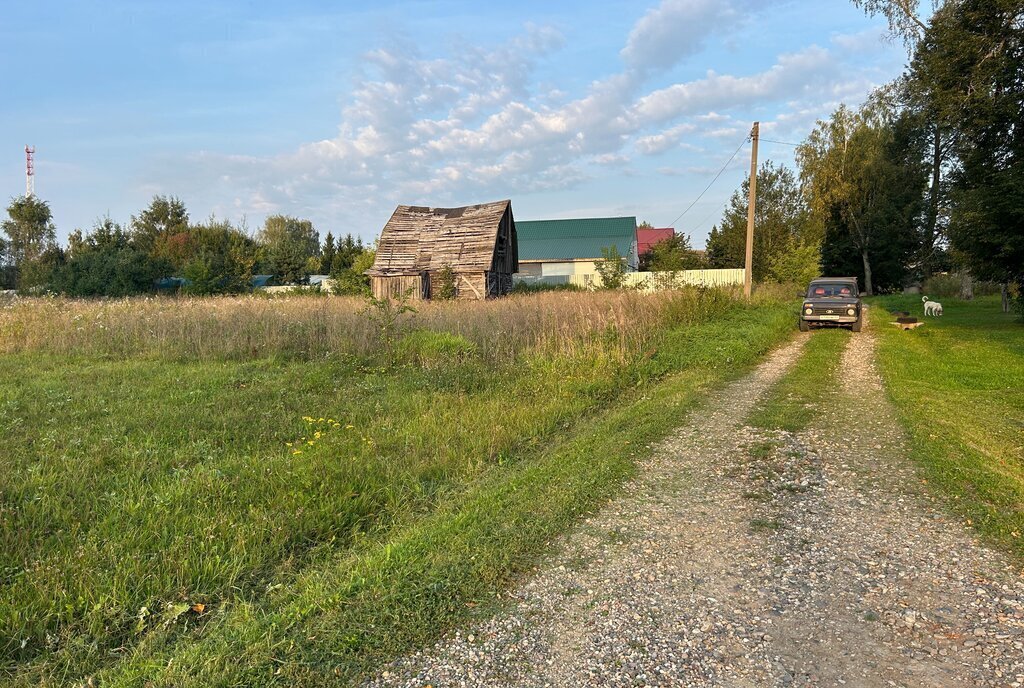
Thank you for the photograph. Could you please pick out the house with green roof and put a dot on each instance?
(553, 249)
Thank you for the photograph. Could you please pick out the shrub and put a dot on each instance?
(948, 285)
(611, 268)
(799, 264)
(350, 281)
(445, 280)
(385, 317)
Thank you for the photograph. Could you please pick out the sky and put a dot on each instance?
(339, 111)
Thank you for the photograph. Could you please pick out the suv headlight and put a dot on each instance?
(808, 311)
(851, 311)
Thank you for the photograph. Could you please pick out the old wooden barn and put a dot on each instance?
(477, 242)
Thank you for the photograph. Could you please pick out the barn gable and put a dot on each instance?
(477, 242)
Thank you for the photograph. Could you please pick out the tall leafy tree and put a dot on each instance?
(30, 233)
(288, 243)
(153, 228)
(907, 25)
(222, 259)
(864, 185)
(970, 65)
(781, 220)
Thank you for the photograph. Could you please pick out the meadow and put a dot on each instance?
(958, 386)
(249, 491)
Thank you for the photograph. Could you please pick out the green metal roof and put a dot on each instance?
(576, 239)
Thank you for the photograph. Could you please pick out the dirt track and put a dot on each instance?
(749, 558)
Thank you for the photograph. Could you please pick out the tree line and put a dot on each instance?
(161, 248)
(927, 176)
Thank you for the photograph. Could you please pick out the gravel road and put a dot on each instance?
(744, 557)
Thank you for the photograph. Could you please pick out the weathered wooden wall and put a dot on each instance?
(394, 286)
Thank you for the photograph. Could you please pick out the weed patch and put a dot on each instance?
(795, 399)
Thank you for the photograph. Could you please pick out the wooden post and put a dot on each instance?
(747, 275)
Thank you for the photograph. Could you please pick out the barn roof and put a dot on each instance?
(418, 238)
(577, 239)
(649, 236)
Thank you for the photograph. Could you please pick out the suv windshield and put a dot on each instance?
(820, 289)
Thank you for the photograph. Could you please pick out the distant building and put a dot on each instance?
(477, 243)
(649, 236)
(561, 248)
(166, 285)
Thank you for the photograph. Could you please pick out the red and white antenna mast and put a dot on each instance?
(30, 171)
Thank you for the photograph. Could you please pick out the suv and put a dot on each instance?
(832, 301)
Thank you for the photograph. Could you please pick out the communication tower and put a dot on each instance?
(30, 171)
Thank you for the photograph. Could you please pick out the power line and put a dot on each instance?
(742, 143)
(784, 143)
(708, 217)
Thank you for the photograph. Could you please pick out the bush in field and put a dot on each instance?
(350, 280)
(611, 268)
(446, 290)
(385, 316)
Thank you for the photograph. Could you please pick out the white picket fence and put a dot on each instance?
(652, 281)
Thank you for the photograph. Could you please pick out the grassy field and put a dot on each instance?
(239, 491)
(958, 386)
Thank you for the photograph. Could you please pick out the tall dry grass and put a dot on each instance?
(310, 327)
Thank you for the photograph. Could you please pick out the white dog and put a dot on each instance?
(931, 307)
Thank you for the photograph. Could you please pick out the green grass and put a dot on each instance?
(958, 386)
(793, 401)
(132, 490)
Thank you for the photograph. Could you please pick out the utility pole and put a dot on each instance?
(747, 276)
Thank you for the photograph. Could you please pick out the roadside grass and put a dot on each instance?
(346, 616)
(153, 510)
(792, 403)
(958, 387)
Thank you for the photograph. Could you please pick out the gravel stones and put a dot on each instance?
(742, 557)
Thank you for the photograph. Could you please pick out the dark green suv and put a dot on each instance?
(832, 302)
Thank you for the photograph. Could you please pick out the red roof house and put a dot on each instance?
(648, 236)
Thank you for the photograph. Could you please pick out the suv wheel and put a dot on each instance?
(804, 325)
(858, 324)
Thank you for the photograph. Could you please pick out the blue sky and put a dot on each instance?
(338, 111)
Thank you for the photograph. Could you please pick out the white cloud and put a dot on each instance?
(475, 124)
(674, 30)
(794, 74)
(664, 141)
